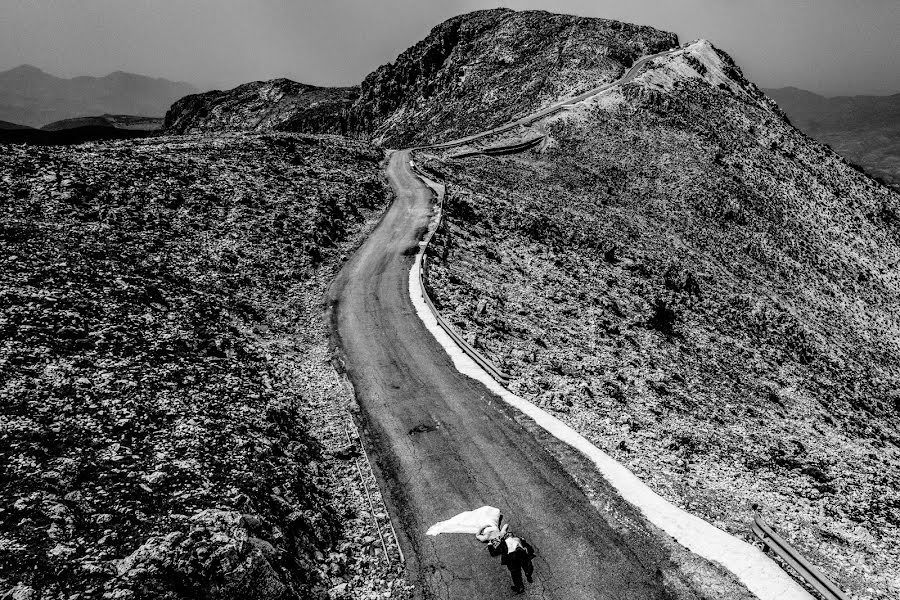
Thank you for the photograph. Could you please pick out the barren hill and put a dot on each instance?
(484, 68)
(472, 72)
(704, 292)
(276, 105)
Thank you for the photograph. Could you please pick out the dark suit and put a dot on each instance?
(516, 562)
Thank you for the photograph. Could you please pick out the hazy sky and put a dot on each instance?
(828, 46)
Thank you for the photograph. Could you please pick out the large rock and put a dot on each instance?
(217, 550)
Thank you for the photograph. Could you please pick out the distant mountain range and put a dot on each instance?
(6, 125)
(863, 129)
(29, 96)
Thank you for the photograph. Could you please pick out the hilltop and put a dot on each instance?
(470, 73)
(485, 68)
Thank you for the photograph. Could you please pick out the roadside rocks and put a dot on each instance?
(217, 553)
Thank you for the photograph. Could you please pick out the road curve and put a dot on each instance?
(443, 443)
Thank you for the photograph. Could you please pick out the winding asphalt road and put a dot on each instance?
(443, 443)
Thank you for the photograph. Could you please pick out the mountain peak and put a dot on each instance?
(24, 69)
(488, 67)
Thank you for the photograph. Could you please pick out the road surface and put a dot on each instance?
(443, 443)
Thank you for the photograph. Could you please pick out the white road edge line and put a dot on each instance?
(760, 574)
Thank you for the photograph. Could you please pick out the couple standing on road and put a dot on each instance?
(514, 552)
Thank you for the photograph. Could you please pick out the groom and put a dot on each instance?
(516, 554)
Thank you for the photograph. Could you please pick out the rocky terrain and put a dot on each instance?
(276, 105)
(127, 122)
(863, 129)
(704, 292)
(32, 97)
(485, 68)
(170, 424)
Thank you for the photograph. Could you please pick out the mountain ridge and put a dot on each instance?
(485, 68)
(473, 71)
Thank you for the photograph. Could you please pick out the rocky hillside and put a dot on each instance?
(276, 105)
(704, 292)
(864, 129)
(165, 396)
(484, 68)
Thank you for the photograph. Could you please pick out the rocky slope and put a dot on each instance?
(276, 105)
(484, 68)
(33, 97)
(707, 294)
(165, 398)
(863, 129)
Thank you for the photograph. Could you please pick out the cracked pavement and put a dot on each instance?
(477, 454)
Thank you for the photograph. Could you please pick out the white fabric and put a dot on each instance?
(512, 543)
(471, 521)
(489, 532)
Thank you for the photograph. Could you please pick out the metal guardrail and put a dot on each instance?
(501, 149)
(771, 540)
(498, 374)
(501, 376)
